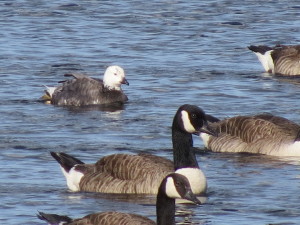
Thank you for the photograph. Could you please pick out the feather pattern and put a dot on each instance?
(109, 218)
(264, 134)
(121, 173)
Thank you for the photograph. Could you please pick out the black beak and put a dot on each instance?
(125, 82)
(191, 197)
(207, 129)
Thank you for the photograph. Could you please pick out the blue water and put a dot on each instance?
(173, 52)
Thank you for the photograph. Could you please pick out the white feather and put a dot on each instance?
(196, 178)
(266, 60)
(73, 178)
(289, 150)
(50, 90)
(205, 138)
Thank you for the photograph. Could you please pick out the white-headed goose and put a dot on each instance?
(281, 59)
(263, 134)
(84, 90)
(143, 173)
(165, 207)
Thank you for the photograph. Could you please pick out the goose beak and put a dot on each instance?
(207, 129)
(189, 195)
(125, 82)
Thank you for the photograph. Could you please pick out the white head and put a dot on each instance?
(113, 77)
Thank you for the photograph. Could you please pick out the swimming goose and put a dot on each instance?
(142, 173)
(165, 207)
(281, 59)
(263, 134)
(84, 90)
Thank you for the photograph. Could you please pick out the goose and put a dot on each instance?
(281, 59)
(173, 186)
(84, 90)
(260, 134)
(142, 173)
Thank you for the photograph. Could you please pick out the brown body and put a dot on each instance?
(122, 173)
(264, 134)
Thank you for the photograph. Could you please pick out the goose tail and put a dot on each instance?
(67, 162)
(263, 54)
(54, 219)
(47, 97)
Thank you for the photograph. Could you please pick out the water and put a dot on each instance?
(174, 52)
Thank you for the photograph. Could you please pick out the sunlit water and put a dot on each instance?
(174, 52)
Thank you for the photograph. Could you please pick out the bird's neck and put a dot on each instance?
(184, 155)
(165, 208)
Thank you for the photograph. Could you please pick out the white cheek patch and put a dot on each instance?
(170, 189)
(186, 122)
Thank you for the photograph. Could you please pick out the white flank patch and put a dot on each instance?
(186, 122)
(205, 138)
(289, 150)
(196, 178)
(266, 60)
(73, 178)
(170, 189)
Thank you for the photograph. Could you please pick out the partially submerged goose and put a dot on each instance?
(165, 207)
(143, 173)
(281, 59)
(84, 90)
(263, 134)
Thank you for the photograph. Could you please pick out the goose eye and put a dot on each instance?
(194, 116)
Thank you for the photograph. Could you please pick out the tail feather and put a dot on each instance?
(54, 219)
(262, 49)
(66, 161)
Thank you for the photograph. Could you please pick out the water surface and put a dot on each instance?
(174, 52)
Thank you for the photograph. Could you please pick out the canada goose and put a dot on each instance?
(142, 173)
(84, 90)
(281, 59)
(263, 134)
(173, 186)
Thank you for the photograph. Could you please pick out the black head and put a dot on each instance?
(192, 119)
(178, 186)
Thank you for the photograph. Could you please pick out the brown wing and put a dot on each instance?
(121, 173)
(251, 128)
(254, 134)
(113, 218)
(287, 60)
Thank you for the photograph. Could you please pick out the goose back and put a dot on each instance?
(121, 173)
(264, 133)
(286, 60)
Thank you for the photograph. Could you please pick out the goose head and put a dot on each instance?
(114, 77)
(178, 186)
(192, 119)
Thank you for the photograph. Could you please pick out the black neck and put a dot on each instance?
(165, 207)
(184, 155)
